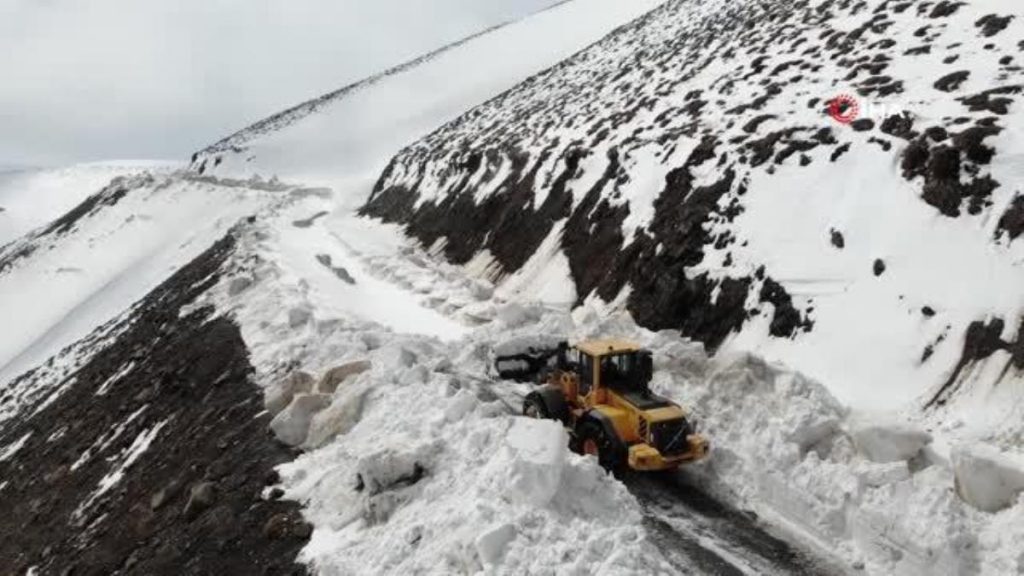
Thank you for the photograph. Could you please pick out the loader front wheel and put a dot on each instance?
(592, 440)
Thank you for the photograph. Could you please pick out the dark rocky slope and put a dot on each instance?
(191, 502)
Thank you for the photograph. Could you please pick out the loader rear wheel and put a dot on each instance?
(591, 439)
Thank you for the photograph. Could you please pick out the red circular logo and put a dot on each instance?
(843, 108)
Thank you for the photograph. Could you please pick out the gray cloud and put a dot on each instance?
(101, 79)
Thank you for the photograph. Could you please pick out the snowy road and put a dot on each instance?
(698, 535)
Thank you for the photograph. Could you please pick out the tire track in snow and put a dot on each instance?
(699, 535)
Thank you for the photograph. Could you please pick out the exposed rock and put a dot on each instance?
(992, 24)
(945, 8)
(201, 497)
(283, 526)
(952, 81)
(981, 340)
(837, 239)
(1012, 221)
(862, 124)
(878, 267)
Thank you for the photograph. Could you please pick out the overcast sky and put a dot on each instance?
(158, 79)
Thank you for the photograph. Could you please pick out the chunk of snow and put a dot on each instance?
(492, 543)
(280, 394)
(338, 418)
(883, 438)
(987, 478)
(291, 425)
(335, 376)
(515, 314)
(12, 448)
(874, 475)
(394, 356)
(537, 449)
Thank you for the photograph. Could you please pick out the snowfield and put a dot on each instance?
(32, 197)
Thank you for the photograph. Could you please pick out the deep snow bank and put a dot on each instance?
(416, 463)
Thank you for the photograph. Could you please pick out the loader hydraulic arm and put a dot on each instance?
(527, 366)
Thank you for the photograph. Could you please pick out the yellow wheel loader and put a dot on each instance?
(599, 390)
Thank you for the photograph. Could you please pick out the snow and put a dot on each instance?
(278, 395)
(349, 140)
(291, 425)
(121, 463)
(884, 438)
(11, 449)
(544, 278)
(420, 463)
(32, 197)
(77, 281)
(986, 477)
(106, 439)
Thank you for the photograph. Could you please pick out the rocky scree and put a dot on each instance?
(84, 497)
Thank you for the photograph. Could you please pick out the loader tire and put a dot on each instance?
(546, 402)
(592, 439)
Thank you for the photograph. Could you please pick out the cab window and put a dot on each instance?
(586, 364)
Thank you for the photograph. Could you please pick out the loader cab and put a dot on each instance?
(612, 364)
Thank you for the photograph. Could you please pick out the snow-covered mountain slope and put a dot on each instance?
(344, 139)
(63, 280)
(689, 170)
(681, 169)
(141, 449)
(32, 197)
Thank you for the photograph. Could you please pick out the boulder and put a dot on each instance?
(335, 376)
(201, 497)
(987, 478)
(282, 525)
(885, 439)
(278, 396)
(291, 425)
